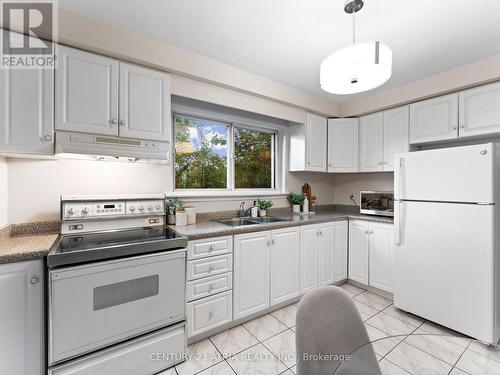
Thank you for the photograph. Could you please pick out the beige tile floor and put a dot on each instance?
(266, 346)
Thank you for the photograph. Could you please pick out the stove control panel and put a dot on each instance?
(80, 210)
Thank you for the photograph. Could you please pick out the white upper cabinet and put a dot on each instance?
(382, 256)
(316, 131)
(396, 127)
(371, 143)
(26, 111)
(251, 273)
(480, 111)
(343, 145)
(434, 119)
(144, 103)
(22, 318)
(86, 92)
(284, 264)
(358, 251)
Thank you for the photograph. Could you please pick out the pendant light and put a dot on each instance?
(357, 68)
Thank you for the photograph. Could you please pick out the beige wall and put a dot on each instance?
(345, 184)
(3, 192)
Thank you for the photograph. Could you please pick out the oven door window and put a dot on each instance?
(126, 291)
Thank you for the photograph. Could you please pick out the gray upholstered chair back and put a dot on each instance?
(328, 323)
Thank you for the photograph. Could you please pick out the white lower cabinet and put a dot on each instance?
(208, 313)
(371, 251)
(266, 269)
(209, 284)
(381, 256)
(251, 273)
(323, 254)
(284, 265)
(358, 251)
(22, 318)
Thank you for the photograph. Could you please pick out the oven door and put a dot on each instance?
(95, 305)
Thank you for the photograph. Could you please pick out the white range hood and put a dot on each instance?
(109, 148)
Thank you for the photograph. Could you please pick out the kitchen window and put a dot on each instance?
(223, 156)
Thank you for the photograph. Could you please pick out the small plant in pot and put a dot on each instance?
(172, 206)
(296, 200)
(263, 206)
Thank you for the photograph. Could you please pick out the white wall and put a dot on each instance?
(3, 193)
(350, 183)
(35, 186)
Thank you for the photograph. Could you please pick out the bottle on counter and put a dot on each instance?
(254, 211)
(305, 207)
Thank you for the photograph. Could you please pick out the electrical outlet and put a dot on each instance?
(350, 196)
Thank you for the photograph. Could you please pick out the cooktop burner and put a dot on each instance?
(84, 247)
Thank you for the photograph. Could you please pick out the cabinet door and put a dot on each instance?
(284, 264)
(22, 318)
(251, 273)
(144, 103)
(341, 239)
(371, 143)
(343, 145)
(358, 251)
(308, 258)
(26, 108)
(86, 92)
(381, 256)
(479, 111)
(434, 119)
(316, 142)
(396, 127)
(326, 254)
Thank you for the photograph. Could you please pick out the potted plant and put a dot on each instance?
(172, 206)
(296, 200)
(263, 206)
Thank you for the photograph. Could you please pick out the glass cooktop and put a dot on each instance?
(82, 247)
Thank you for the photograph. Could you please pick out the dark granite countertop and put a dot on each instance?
(207, 229)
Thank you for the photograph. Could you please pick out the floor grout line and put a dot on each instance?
(455, 365)
(398, 366)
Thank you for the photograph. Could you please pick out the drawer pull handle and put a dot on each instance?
(212, 267)
(211, 287)
(211, 315)
(34, 280)
(211, 248)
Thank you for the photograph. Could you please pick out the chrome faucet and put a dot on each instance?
(242, 210)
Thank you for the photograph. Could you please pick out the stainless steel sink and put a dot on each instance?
(270, 219)
(236, 222)
(240, 221)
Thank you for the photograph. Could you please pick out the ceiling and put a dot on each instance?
(285, 40)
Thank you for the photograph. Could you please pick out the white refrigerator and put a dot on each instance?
(447, 237)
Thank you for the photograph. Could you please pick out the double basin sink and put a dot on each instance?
(241, 221)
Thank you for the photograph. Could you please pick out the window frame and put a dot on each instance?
(276, 155)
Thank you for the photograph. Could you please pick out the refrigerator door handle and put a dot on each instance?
(397, 223)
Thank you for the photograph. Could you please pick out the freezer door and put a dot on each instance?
(444, 265)
(458, 174)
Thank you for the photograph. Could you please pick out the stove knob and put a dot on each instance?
(85, 211)
(71, 211)
(132, 209)
(150, 207)
(157, 206)
(141, 208)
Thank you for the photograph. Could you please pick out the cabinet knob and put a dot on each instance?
(453, 127)
(122, 122)
(212, 267)
(34, 280)
(329, 164)
(211, 315)
(366, 232)
(273, 242)
(47, 138)
(211, 248)
(211, 287)
(462, 126)
(113, 121)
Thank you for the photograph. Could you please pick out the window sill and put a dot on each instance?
(224, 194)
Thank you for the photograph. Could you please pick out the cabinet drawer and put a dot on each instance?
(199, 268)
(208, 313)
(209, 285)
(131, 358)
(209, 247)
